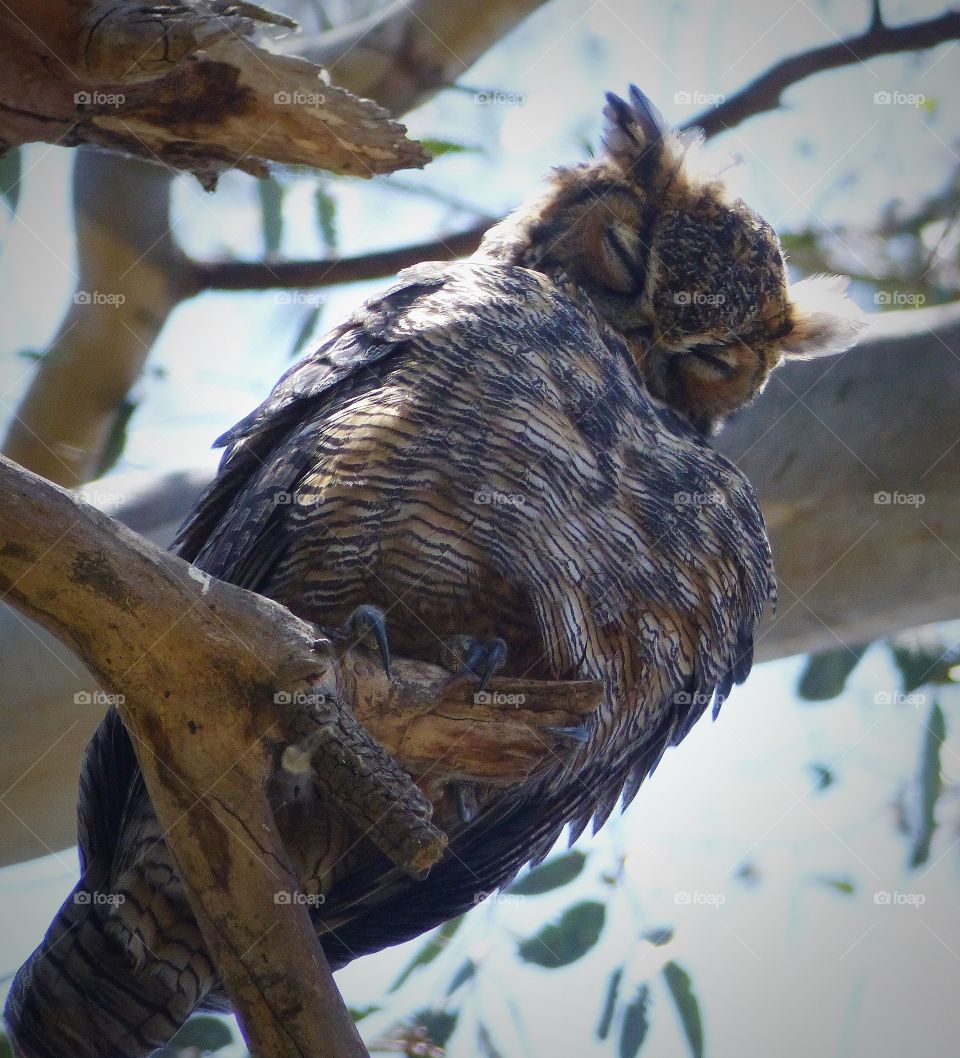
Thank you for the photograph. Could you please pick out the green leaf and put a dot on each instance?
(438, 148)
(11, 166)
(305, 331)
(823, 776)
(488, 1048)
(271, 214)
(688, 1009)
(326, 209)
(609, 1004)
(927, 786)
(920, 665)
(438, 1024)
(359, 1013)
(826, 673)
(551, 875)
(633, 1030)
(841, 885)
(658, 937)
(563, 942)
(429, 951)
(464, 974)
(6, 1051)
(206, 1033)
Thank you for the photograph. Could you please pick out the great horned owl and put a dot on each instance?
(507, 459)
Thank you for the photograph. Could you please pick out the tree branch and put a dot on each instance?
(196, 666)
(183, 86)
(329, 271)
(764, 93)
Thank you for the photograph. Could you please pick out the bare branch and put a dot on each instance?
(182, 86)
(329, 271)
(764, 93)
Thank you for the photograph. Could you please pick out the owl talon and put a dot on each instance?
(368, 625)
(578, 734)
(470, 655)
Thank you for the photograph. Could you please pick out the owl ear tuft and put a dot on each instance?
(633, 131)
(825, 321)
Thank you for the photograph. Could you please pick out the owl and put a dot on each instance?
(502, 465)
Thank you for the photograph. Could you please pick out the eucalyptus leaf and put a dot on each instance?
(633, 1030)
(567, 940)
(429, 951)
(11, 169)
(550, 875)
(688, 1008)
(609, 1004)
(271, 214)
(926, 787)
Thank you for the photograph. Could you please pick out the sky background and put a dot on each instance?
(787, 964)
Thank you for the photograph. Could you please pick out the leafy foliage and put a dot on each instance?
(567, 940)
(550, 875)
(434, 946)
(11, 168)
(688, 1007)
(927, 787)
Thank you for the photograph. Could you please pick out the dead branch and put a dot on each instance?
(186, 87)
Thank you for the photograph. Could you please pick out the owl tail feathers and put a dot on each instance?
(77, 996)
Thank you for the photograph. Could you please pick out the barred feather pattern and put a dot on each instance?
(475, 452)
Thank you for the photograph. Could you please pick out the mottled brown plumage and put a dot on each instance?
(511, 447)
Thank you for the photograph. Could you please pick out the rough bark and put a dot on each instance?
(212, 682)
(184, 86)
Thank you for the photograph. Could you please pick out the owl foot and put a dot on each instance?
(367, 625)
(482, 658)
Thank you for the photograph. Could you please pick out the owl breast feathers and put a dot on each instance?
(509, 451)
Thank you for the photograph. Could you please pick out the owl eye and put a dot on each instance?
(717, 356)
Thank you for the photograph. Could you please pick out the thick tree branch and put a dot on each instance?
(404, 53)
(764, 93)
(183, 86)
(196, 666)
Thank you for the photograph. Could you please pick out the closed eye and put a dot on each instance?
(713, 355)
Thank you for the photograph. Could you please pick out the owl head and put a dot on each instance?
(692, 278)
